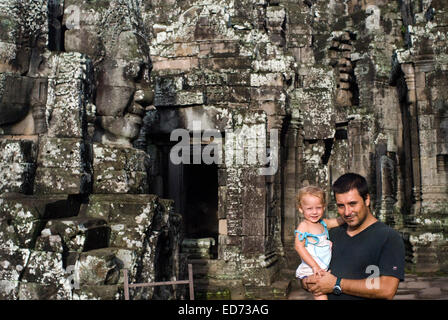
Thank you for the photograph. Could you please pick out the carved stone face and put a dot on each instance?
(22, 90)
(119, 78)
(120, 67)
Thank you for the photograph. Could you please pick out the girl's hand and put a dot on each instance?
(318, 271)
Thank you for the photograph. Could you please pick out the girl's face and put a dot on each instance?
(312, 208)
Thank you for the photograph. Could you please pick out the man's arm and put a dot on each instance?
(385, 289)
(334, 222)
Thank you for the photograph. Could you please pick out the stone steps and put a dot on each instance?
(207, 287)
(212, 285)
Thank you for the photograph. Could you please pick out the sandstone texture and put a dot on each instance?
(266, 96)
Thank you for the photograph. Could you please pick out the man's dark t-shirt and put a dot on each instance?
(377, 249)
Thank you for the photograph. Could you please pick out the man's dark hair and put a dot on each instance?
(350, 181)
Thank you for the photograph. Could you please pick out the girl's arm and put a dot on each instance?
(333, 223)
(301, 250)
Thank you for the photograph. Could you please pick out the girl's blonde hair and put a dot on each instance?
(312, 190)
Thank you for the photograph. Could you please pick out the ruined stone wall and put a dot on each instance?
(74, 205)
(351, 85)
(92, 90)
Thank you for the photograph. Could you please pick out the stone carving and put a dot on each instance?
(120, 55)
(90, 92)
(58, 240)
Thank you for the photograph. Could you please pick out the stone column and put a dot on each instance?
(385, 184)
(290, 177)
(359, 146)
(433, 183)
(408, 70)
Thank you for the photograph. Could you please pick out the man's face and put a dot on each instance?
(352, 208)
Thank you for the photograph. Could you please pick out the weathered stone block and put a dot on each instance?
(314, 107)
(17, 151)
(222, 228)
(253, 206)
(17, 177)
(18, 230)
(41, 206)
(51, 243)
(41, 291)
(66, 120)
(84, 40)
(252, 245)
(266, 79)
(267, 94)
(100, 292)
(79, 233)
(45, 268)
(234, 227)
(180, 64)
(68, 93)
(227, 63)
(61, 181)
(119, 158)
(60, 153)
(217, 94)
(129, 217)
(136, 160)
(253, 227)
(185, 49)
(120, 181)
(22, 216)
(108, 157)
(124, 236)
(98, 267)
(17, 165)
(9, 290)
(224, 48)
(12, 263)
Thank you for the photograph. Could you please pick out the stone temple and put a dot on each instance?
(95, 96)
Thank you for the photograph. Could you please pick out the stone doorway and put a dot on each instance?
(200, 210)
(194, 188)
(201, 203)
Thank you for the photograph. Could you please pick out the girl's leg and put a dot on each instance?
(321, 297)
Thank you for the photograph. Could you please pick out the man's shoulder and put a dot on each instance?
(384, 228)
(387, 232)
(338, 230)
(378, 227)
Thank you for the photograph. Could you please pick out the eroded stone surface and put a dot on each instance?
(87, 107)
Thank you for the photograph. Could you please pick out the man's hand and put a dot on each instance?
(356, 287)
(317, 271)
(320, 285)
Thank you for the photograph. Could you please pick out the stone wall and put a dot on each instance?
(74, 207)
(91, 91)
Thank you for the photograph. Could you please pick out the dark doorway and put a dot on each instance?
(201, 200)
(194, 189)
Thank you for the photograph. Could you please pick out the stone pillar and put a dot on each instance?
(408, 70)
(63, 158)
(358, 139)
(386, 186)
(290, 177)
(434, 184)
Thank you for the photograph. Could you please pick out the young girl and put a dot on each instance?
(312, 241)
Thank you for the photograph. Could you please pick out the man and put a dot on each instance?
(368, 256)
